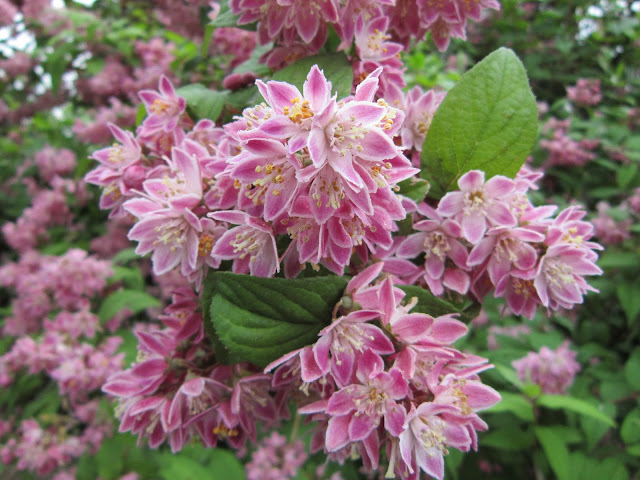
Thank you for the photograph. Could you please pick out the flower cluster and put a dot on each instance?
(275, 459)
(302, 27)
(488, 235)
(553, 370)
(400, 386)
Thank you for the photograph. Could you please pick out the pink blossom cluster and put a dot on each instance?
(302, 165)
(118, 80)
(563, 150)
(553, 370)
(97, 130)
(488, 236)
(44, 283)
(176, 391)
(607, 229)
(276, 459)
(49, 205)
(18, 64)
(299, 27)
(47, 447)
(400, 386)
(57, 337)
(586, 92)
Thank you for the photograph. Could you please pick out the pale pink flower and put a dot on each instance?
(251, 245)
(559, 278)
(479, 205)
(553, 370)
(164, 108)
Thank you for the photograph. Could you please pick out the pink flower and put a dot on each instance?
(478, 204)
(553, 370)
(356, 410)
(172, 234)
(164, 108)
(427, 435)
(559, 279)
(438, 240)
(252, 245)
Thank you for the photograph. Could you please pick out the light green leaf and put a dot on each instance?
(575, 405)
(555, 450)
(414, 188)
(510, 375)
(514, 403)
(133, 300)
(488, 121)
(335, 66)
(202, 102)
(260, 319)
(141, 114)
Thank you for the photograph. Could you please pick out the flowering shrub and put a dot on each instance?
(303, 254)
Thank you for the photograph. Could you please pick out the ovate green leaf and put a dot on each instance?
(488, 121)
(260, 319)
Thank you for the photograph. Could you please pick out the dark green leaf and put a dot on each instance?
(509, 437)
(336, 68)
(133, 300)
(488, 121)
(260, 319)
(427, 302)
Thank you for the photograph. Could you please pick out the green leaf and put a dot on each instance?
(555, 450)
(509, 437)
(427, 302)
(514, 403)
(125, 256)
(414, 188)
(130, 277)
(488, 121)
(133, 300)
(335, 66)
(260, 319)
(202, 102)
(611, 469)
(141, 114)
(179, 467)
(510, 375)
(632, 369)
(226, 18)
(224, 461)
(629, 300)
(575, 405)
(630, 429)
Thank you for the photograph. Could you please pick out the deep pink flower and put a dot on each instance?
(164, 108)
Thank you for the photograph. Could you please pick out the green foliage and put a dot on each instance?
(486, 122)
(335, 66)
(134, 301)
(260, 319)
(203, 102)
